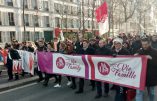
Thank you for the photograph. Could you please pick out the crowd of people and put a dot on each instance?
(121, 45)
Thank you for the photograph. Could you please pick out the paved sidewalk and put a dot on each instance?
(17, 83)
(5, 84)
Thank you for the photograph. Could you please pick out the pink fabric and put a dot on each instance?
(45, 62)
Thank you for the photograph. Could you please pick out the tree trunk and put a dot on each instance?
(93, 16)
(83, 24)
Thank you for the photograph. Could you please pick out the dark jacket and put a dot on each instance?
(136, 45)
(121, 52)
(154, 44)
(41, 49)
(29, 49)
(95, 46)
(103, 51)
(151, 78)
(88, 51)
(14, 54)
(77, 47)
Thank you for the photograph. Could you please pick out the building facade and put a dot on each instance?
(41, 17)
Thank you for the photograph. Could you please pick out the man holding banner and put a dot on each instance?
(151, 77)
(86, 50)
(102, 50)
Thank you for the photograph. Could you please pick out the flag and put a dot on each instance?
(27, 59)
(62, 36)
(102, 18)
(57, 32)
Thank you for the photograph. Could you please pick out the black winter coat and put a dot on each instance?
(121, 52)
(151, 78)
(154, 44)
(103, 51)
(88, 51)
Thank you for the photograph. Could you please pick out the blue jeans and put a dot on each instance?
(151, 94)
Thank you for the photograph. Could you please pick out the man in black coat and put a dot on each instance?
(151, 76)
(86, 50)
(13, 55)
(102, 50)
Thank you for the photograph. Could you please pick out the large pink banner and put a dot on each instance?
(127, 71)
(45, 62)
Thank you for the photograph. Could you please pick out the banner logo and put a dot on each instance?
(103, 68)
(60, 63)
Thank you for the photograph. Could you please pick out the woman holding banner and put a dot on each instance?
(48, 76)
(119, 50)
(62, 49)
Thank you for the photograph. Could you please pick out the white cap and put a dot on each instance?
(119, 40)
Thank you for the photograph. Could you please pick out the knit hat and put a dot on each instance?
(118, 40)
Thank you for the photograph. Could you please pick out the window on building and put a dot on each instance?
(75, 23)
(78, 11)
(78, 23)
(34, 4)
(57, 8)
(69, 9)
(26, 19)
(75, 10)
(9, 2)
(72, 25)
(64, 23)
(26, 4)
(57, 22)
(46, 21)
(69, 24)
(26, 36)
(45, 5)
(12, 35)
(0, 36)
(11, 19)
(65, 7)
(72, 10)
(36, 36)
(36, 18)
